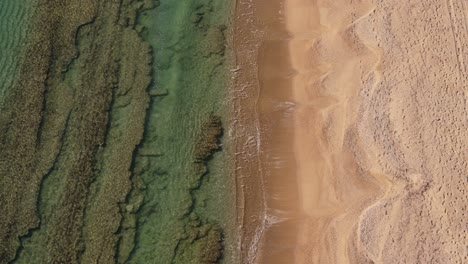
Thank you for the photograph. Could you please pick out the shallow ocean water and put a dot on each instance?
(15, 17)
(190, 85)
(181, 208)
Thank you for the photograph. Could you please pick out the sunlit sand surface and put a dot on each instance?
(361, 108)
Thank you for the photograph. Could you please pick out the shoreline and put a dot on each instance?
(302, 96)
(245, 137)
(263, 110)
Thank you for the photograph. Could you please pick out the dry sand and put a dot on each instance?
(381, 134)
(375, 93)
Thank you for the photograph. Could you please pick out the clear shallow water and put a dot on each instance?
(181, 208)
(188, 40)
(14, 23)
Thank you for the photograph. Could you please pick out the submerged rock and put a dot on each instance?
(209, 139)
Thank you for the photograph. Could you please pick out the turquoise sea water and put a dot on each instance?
(188, 40)
(15, 17)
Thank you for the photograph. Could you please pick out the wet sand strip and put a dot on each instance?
(268, 200)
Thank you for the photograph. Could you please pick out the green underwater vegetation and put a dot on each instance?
(111, 124)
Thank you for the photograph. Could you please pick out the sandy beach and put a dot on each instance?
(377, 82)
(360, 130)
(331, 63)
(262, 128)
(234, 131)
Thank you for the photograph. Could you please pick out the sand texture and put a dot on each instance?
(376, 95)
(381, 130)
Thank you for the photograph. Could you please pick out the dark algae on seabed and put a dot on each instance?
(56, 126)
(111, 132)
